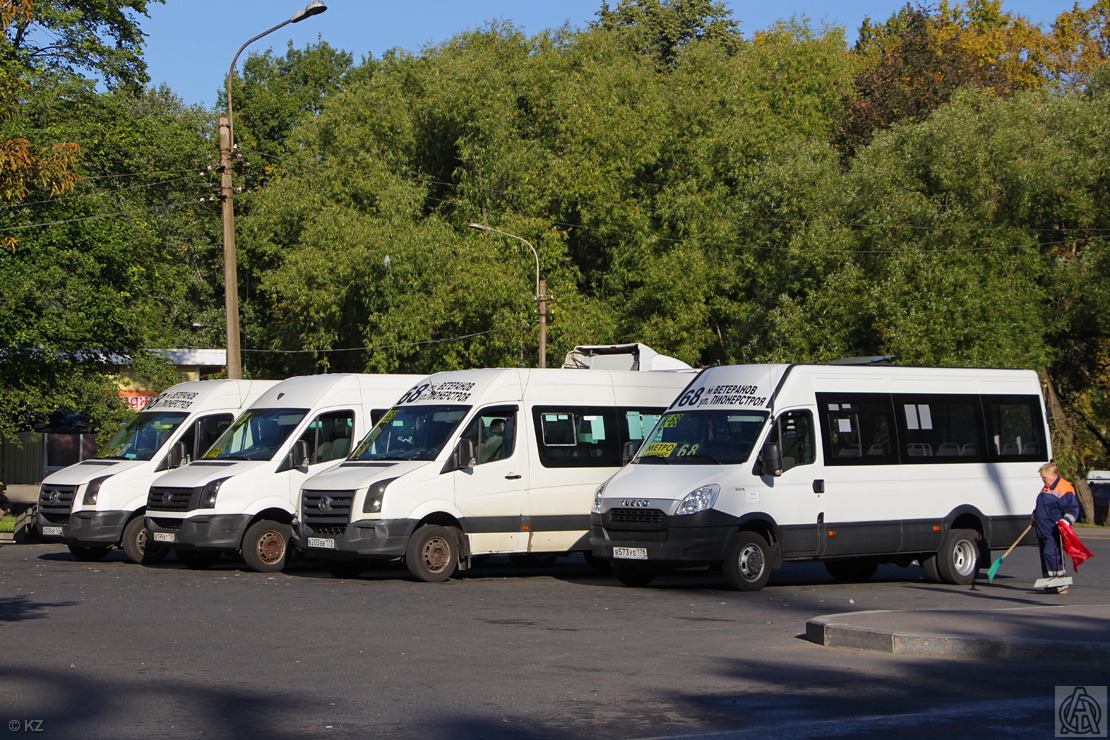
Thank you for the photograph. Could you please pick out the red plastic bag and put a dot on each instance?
(1074, 549)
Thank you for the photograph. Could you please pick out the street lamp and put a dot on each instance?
(227, 146)
(541, 288)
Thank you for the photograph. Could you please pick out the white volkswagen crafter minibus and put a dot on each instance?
(99, 503)
(242, 494)
(754, 465)
(478, 462)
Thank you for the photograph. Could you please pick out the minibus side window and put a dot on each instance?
(203, 433)
(858, 429)
(638, 423)
(329, 436)
(1015, 429)
(794, 432)
(493, 432)
(939, 428)
(577, 437)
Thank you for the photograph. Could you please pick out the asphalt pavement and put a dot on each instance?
(1065, 632)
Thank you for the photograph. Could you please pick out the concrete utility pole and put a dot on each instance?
(541, 289)
(227, 207)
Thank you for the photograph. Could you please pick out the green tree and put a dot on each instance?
(97, 37)
(119, 265)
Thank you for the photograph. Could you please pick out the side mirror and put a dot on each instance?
(464, 455)
(298, 456)
(175, 458)
(628, 451)
(770, 460)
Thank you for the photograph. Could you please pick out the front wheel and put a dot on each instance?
(957, 562)
(748, 564)
(432, 554)
(88, 554)
(265, 545)
(137, 546)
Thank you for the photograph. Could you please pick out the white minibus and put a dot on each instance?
(99, 503)
(242, 494)
(479, 462)
(754, 465)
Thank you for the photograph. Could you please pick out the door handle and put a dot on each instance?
(512, 476)
(819, 485)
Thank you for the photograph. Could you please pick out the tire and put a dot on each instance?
(137, 547)
(432, 554)
(852, 570)
(630, 575)
(957, 562)
(197, 559)
(88, 554)
(748, 565)
(265, 545)
(345, 568)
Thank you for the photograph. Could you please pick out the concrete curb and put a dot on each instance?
(837, 630)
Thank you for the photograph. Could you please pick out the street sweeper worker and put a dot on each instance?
(1055, 503)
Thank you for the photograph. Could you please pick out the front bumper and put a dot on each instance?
(86, 528)
(379, 539)
(205, 532)
(696, 539)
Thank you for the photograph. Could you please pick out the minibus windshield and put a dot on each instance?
(256, 435)
(410, 433)
(142, 436)
(710, 437)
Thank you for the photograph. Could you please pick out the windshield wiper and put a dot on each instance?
(661, 458)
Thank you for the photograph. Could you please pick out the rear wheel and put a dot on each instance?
(957, 562)
(852, 570)
(138, 547)
(265, 545)
(432, 554)
(88, 554)
(748, 564)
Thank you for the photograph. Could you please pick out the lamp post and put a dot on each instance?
(227, 210)
(541, 289)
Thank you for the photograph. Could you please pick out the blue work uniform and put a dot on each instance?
(1056, 501)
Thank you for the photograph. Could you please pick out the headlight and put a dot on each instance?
(208, 493)
(699, 499)
(599, 494)
(92, 491)
(374, 496)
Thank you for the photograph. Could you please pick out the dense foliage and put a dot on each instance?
(936, 191)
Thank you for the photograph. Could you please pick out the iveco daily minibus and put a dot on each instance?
(242, 494)
(754, 465)
(99, 503)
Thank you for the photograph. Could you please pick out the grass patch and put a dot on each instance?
(7, 524)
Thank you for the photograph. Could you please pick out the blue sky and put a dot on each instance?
(190, 43)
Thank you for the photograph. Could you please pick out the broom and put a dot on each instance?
(998, 563)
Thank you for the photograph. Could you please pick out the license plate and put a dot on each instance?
(52, 531)
(630, 553)
(321, 542)
(163, 536)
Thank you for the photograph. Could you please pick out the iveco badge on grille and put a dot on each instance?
(640, 503)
